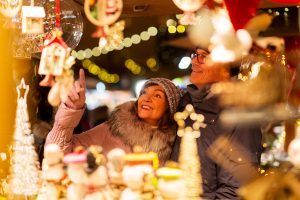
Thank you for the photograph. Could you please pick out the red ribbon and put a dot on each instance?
(297, 2)
(57, 14)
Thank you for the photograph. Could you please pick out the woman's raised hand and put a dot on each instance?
(76, 97)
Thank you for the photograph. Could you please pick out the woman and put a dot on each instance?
(148, 122)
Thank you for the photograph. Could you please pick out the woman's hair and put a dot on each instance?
(167, 119)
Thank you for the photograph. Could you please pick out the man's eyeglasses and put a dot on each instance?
(200, 57)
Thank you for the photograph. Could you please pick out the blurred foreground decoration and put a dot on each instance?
(214, 31)
(189, 7)
(10, 8)
(262, 93)
(274, 185)
(7, 105)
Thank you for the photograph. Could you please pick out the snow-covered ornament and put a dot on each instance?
(32, 19)
(57, 62)
(10, 8)
(294, 150)
(103, 13)
(189, 7)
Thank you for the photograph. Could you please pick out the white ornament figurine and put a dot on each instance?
(170, 183)
(115, 165)
(136, 173)
(294, 150)
(76, 172)
(53, 172)
(97, 178)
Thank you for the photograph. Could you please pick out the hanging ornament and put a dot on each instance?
(240, 12)
(71, 23)
(57, 62)
(55, 58)
(32, 19)
(189, 7)
(103, 13)
(10, 8)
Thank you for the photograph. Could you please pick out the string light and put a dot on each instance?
(100, 72)
(180, 29)
(171, 22)
(127, 42)
(145, 35)
(172, 29)
(133, 67)
(152, 64)
(135, 39)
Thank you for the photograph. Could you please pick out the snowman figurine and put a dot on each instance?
(170, 183)
(115, 167)
(52, 172)
(76, 164)
(97, 178)
(137, 175)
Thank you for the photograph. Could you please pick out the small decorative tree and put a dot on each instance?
(189, 159)
(24, 172)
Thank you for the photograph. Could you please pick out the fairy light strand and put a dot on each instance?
(126, 43)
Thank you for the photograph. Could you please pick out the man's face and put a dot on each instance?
(202, 73)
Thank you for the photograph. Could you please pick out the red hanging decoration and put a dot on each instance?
(57, 14)
(56, 63)
(241, 11)
(297, 2)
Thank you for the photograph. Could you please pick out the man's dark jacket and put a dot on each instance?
(239, 157)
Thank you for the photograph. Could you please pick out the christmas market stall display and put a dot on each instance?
(257, 41)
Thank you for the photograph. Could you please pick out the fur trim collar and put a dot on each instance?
(124, 123)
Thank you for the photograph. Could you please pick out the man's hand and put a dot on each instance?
(76, 97)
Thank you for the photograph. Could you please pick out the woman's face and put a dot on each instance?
(152, 104)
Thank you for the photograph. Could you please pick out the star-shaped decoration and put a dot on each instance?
(22, 90)
(198, 119)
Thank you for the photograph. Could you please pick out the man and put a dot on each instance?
(224, 168)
